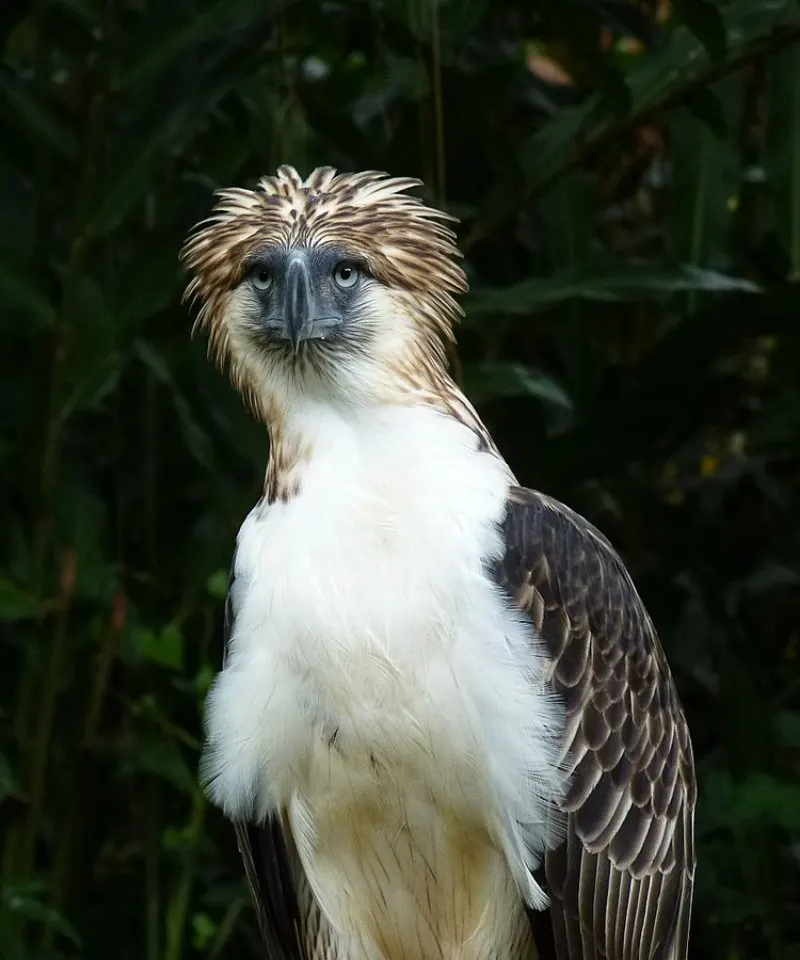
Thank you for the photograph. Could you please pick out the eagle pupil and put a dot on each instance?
(346, 273)
(263, 276)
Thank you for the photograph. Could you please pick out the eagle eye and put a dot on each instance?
(346, 274)
(261, 279)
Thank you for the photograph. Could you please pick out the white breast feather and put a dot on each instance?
(363, 610)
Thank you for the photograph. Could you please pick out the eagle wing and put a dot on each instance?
(621, 883)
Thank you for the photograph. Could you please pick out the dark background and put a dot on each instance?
(628, 180)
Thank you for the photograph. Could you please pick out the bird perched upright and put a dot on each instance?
(445, 726)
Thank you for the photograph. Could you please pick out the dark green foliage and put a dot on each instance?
(633, 244)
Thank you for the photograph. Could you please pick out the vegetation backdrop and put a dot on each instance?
(628, 180)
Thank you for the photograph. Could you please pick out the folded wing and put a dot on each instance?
(621, 884)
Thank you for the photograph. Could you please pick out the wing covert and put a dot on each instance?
(621, 883)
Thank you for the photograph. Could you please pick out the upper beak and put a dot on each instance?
(299, 303)
(301, 309)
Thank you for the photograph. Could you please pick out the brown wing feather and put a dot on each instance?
(621, 883)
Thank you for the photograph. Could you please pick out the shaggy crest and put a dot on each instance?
(402, 242)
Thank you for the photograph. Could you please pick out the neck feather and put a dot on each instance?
(300, 431)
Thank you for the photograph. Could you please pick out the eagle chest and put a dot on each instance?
(381, 694)
(371, 734)
(366, 631)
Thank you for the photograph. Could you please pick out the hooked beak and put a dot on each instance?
(302, 316)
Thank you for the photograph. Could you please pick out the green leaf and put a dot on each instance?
(17, 604)
(158, 52)
(705, 105)
(162, 758)
(217, 584)
(197, 440)
(27, 900)
(203, 931)
(33, 118)
(491, 381)
(615, 282)
(21, 292)
(568, 220)
(762, 798)
(704, 185)
(451, 19)
(704, 20)
(164, 648)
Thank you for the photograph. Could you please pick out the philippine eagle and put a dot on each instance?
(445, 726)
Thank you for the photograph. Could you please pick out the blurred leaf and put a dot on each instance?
(27, 900)
(197, 440)
(491, 381)
(614, 282)
(217, 584)
(8, 782)
(452, 19)
(162, 758)
(620, 15)
(704, 20)
(707, 106)
(164, 648)
(33, 118)
(159, 49)
(19, 293)
(704, 186)
(761, 797)
(567, 216)
(17, 604)
(203, 931)
(782, 158)
(788, 726)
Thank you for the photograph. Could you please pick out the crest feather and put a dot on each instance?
(404, 244)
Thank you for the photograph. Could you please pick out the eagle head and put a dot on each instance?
(341, 284)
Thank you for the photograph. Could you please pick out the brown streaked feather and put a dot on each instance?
(405, 244)
(621, 884)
